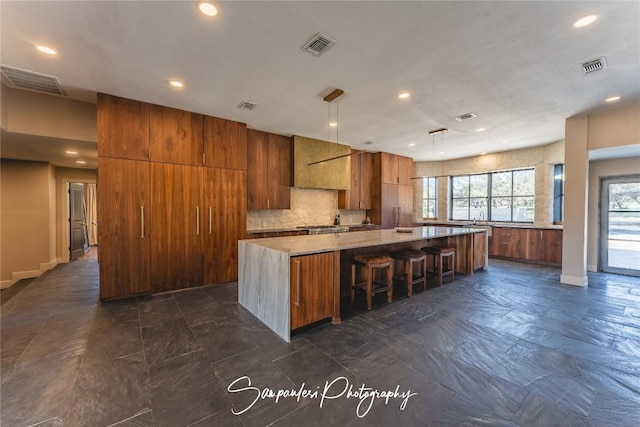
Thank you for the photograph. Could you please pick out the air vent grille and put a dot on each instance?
(466, 116)
(32, 81)
(318, 45)
(246, 105)
(593, 65)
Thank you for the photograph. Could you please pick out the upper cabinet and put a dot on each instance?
(175, 136)
(123, 128)
(396, 169)
(225, 144)
(270, 176)
(358, 196)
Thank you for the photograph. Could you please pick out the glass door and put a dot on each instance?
(620, 225)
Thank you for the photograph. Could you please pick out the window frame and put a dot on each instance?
(489, 196)
(434, 198)
(558, 193)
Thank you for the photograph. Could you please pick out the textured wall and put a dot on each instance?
(541, 159)
(307, 207)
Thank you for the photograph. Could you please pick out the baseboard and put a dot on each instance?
(575, 281)
(29, 274)
(4, 284)
(592, 268)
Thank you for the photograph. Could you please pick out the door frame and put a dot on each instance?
(63, 225)
(603, 223)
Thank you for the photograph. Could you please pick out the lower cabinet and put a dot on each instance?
(527, 244)
(479, 250)
(312, 288)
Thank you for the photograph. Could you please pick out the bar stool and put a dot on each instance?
(410, 257)
(439, 254)
(371, 265)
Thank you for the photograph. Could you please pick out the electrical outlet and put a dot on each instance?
(264, 223)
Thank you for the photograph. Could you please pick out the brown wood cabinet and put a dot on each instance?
(269, 177)
(123, 128)
(358, 196)
(175, 136)
(392, 203)
(177, 252)
(527, 244)
(225, 143)
(124, 212)
(396, 169)
(225, 207)
(479, 250)
(312, 288)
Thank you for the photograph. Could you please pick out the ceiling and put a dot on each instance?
(514, 64)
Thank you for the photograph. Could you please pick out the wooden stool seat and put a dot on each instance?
(372, 264)
(439, 254)
(410, 257)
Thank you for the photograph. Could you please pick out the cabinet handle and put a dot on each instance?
(142, 222)
(540, 234)
(267, 203)
(197, 220)
(297, 283)
(203, 158)
(209, 219)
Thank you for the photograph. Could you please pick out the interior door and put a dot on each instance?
(77, 221)
(620, 225)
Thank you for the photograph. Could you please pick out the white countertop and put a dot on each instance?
(304, 245)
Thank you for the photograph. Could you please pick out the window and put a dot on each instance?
(558, 193)
(507, 196)
(429, 198)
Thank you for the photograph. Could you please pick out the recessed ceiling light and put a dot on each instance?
(584, 21)
(175, 83)
(46, 49)
(207, 8)
(483, 153)
(412, 145)
(72, 153)
(440, 152)
(404, 95)
(333, 124)
(612, 99)
(480, 130)
(504, 142)
(81, 162)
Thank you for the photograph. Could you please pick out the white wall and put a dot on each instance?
(542, 159)
(612, 128)
(598, 170)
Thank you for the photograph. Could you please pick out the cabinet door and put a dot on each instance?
(311, 288)
(405, 170)
(551, 247)
(225, 221)
(225, 143)
(175, 136)
(124, 214)
(123, 128)
(508, 242)
(350, 199)
(366, 181)
(405, 203)
(279, 172)
(178, 227)
(389, 163)
(530, 244)
(479, 245)
(389, 206)
(257, 157)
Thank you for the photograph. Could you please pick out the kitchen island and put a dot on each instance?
(290, 282)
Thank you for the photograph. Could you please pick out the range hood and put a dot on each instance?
(332, 174)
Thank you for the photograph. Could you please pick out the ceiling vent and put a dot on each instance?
(466, 116)
(246, 105)
(593, 65)
(29, 80)
(318, 45)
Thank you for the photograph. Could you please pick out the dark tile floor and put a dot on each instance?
(509, 346)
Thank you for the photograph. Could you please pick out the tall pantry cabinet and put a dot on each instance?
(171, 197)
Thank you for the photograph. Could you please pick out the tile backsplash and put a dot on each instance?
(308, 207)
